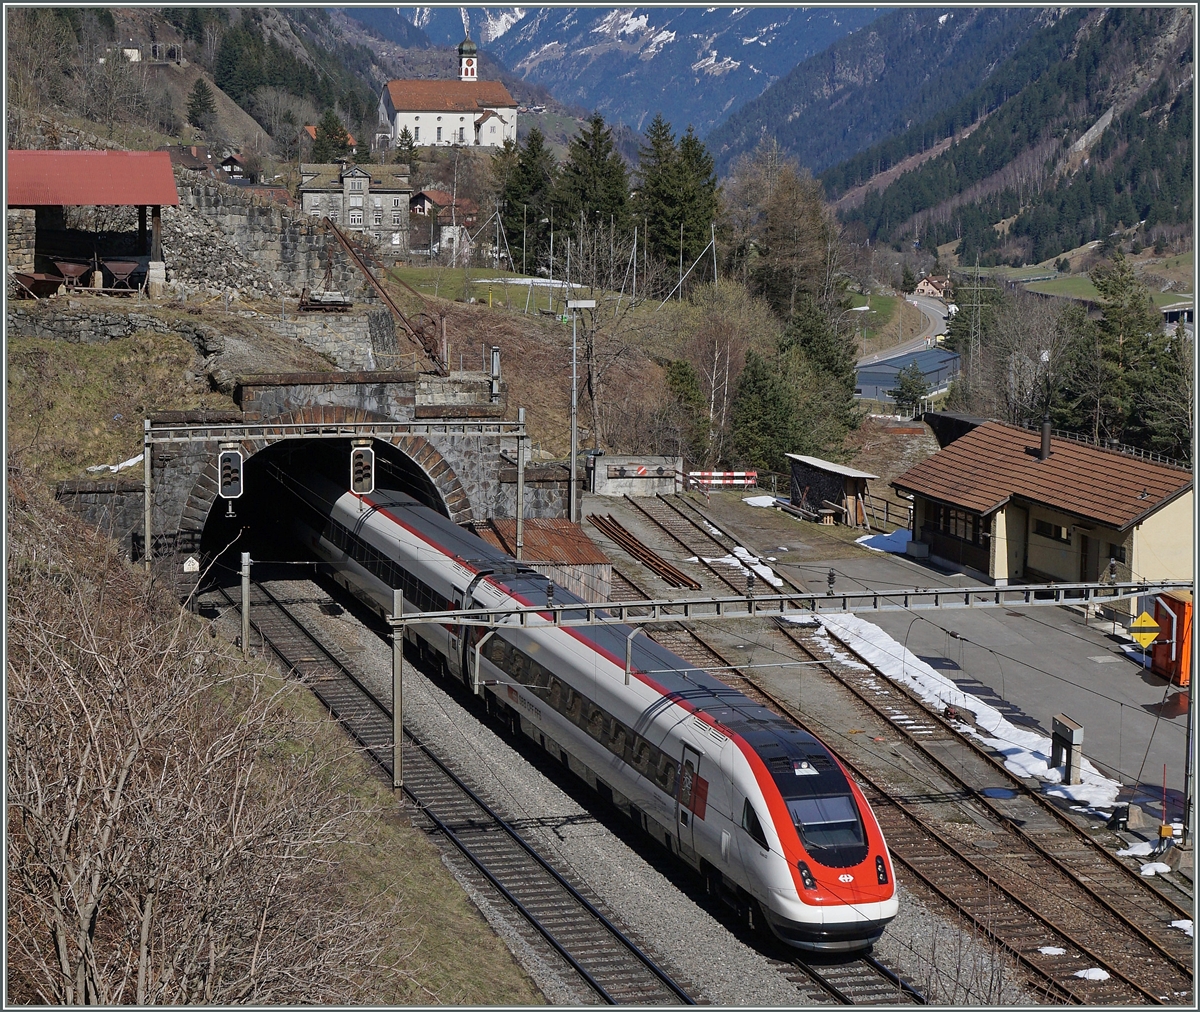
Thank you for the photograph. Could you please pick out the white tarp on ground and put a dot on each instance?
(894, 542)
(1026, 753)
(759, 500)
(116, 467)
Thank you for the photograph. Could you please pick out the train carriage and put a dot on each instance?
(759, 806)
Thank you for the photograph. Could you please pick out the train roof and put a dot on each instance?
(777, 741)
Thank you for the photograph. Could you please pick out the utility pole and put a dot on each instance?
(521, 484)
(397, 693)
(245, 605)
(524, 227)
(681, 261)
(147, 501)
(575, 305)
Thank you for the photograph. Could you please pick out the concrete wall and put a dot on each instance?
(662, 477)
(112, 507)
(1162, 544)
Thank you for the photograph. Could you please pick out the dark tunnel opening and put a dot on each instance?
(259, 521)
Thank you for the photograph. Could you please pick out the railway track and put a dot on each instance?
(861, 980)
(1049, 921)
(553, 907)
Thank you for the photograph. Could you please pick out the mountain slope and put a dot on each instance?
(1099, 138)
(690, 63)
(901, 69)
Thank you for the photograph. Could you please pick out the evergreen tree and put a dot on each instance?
(406, 150)
(697, 195)
(332, 141)
(658, 189)
(526, 196)
(688, 408)
(911, 387)
(593, 181)
(201, 108)
(830, 355)
(762, 418)
(907, 282)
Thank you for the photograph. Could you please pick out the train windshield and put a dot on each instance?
(830, 829)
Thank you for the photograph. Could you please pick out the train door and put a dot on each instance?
(691, 799)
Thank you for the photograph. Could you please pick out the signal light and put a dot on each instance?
(881, 870)
(362, 470)
(806, 876)
(229, 474)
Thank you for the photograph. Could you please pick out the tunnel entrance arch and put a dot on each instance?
(453, 465)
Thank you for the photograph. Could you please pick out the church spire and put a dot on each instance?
(468, 61)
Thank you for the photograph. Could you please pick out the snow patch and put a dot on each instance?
(715, 66)
(942, 19)
(1052, 950)
(1184, 926)
(1155, 868)
(759, 500)
(1144, 849)
(495, 25)
(745, 562)
(1025, 753)
(1092, 973)
(659, 41)
(116, 467)
(894, 542)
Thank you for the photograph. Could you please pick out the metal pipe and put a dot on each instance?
(574, 424)
(1045, 451)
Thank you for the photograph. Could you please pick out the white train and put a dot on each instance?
(760, 807)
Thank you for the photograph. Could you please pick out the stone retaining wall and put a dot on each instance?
(19, 239)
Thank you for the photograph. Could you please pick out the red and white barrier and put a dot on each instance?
(738, 479)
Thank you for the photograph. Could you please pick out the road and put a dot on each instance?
(934, 312)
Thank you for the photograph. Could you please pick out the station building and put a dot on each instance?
(995, 505)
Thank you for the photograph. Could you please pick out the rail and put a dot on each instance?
(326, 659)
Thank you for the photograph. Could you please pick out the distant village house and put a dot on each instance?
(936, 286)
(467, 111)
(372, 199)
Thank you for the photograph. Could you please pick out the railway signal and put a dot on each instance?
(362, 470)
(229, 473)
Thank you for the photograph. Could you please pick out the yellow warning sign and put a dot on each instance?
(1144, 629)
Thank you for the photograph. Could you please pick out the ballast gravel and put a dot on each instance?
(934, 953)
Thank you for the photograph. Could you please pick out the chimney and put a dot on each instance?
(1045, 438)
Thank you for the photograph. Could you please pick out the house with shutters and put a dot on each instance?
(467, 111)
(938, 286)
(1006, 504)
(372, 199)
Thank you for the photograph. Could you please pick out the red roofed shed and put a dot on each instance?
(90, 178)
(48, 181)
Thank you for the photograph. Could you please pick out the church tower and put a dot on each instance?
(468, 61)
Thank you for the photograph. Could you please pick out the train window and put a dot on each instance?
(574, 707)
(827, 822)
(596, 722)
(643, 757)
(752, 826)
(618, 737)
(686, 781)
(665, 775)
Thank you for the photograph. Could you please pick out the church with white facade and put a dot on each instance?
(467, 111)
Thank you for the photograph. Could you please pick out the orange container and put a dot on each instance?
(1174, 637)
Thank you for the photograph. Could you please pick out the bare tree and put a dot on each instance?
(173, 832)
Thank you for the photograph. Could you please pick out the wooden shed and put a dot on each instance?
(834, 492)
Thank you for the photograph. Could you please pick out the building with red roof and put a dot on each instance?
(467, 111)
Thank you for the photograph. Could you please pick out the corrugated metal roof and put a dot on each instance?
(90, 178)
(829, 465)
(448, 96)
(983, 469)
(557, 541)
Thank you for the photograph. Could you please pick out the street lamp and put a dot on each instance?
(573, 305)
